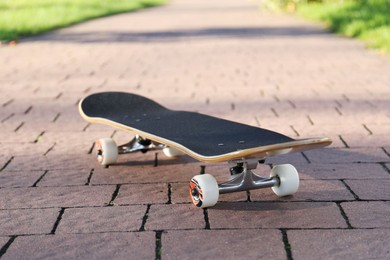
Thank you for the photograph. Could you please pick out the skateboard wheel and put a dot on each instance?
(288, 177)
(106, 151)
(204, 190)
(172, 152)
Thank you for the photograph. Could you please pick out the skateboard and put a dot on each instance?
(202, 137)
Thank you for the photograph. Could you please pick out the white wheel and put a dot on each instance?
(204, 191)
(172, 152)
(106, 151)
(289, 179)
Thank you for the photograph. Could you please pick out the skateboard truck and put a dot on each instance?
(204, 189)
(246, 179)
(141, 144)
(107, 150)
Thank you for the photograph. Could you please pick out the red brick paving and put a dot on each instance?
(47, 197)
(102, 219)
(340, 244)
(174, 216)
(224, 58)
(81, 246)
(27, 221)
(370, 189)
(276, 215)
(368, 214)
(216, 244)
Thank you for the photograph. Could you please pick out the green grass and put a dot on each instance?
(368, 20)
(20, 18)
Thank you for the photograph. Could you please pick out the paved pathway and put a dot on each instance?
(222, 57)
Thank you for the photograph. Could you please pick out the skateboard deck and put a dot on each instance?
(205, 138)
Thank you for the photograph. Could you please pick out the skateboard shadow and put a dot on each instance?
(159, 160)
(268, 206)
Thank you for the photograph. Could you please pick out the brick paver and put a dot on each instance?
(276, 215)
(215, 244)
(166, 217)
(67, 177)
(371, 189)
(368, 214)
(82, 246)
(20, 178)
(227, 58)
(47, 197)
(28, 221)
(340, 244)
(106, 219)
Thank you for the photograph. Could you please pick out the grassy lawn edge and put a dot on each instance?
(24, 18)
(366, 20)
